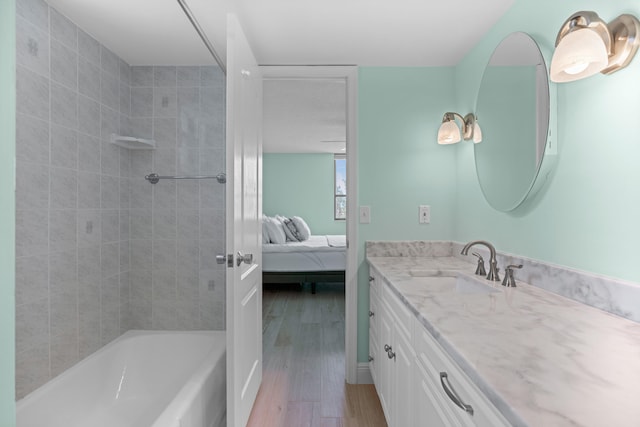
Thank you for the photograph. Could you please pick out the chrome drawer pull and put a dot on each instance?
(371, 313)
(387, 347)
(371, 279)
(453, 395)
(391, 354)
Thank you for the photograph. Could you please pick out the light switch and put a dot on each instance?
(424, 214)
(365, 215)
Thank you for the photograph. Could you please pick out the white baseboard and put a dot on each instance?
(364, 374)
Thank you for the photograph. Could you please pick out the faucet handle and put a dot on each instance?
(480, 271)
(509, 280)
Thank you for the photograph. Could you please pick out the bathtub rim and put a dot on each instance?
(130, 334)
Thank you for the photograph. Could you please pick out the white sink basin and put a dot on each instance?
(467, 285)
(459, 283)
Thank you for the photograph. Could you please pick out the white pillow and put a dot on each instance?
(303, 228)
(265, 231)
(275, 230)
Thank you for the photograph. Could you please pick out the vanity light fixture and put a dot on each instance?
(449, 132)
(477, 132)
(587, 45)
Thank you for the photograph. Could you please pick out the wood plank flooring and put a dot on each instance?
(303, 382)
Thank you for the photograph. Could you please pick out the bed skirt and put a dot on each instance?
(312, 277)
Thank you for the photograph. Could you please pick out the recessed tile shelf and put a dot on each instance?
(133, 143)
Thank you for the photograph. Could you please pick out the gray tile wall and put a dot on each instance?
(99, 250)
(72, 269)
(177, 227)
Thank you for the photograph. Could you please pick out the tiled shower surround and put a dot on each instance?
(100, 250)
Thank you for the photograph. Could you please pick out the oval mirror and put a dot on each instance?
(514, 110)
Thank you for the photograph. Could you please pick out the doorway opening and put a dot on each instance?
(328, 318)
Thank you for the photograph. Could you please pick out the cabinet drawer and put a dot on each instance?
(431, 410)
(436, 361)
(374, 313)
(400, 311)
(375, 282)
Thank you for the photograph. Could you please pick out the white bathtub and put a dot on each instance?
(143, 378)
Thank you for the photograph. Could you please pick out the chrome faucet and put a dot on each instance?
(493, 262)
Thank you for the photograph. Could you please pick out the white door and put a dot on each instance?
(244, 211)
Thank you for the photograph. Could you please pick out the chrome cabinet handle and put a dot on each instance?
(371, 313)
(391, 354)
(371, 279)
(370, 358)
(453, 395)
(387, 347)
(247, 259)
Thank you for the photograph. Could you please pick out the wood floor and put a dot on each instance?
(304, 369)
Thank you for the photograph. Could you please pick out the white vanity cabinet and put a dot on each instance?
(407, 365)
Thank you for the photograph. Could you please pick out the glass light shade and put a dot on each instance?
(477, 133)
(449, 133)
(581, 53)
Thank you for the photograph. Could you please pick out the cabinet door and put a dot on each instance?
(374, 358)
(385, 370)
(403, 362)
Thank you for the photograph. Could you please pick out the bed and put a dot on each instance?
(321, 258)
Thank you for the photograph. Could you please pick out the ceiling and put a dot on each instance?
(288, 32)
(304, 116)
(293, 32)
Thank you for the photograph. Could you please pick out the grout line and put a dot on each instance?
(49, 201)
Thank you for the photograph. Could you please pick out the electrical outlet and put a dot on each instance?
(424, 213)
(365, 215)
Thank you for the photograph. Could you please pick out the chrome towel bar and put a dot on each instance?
(153, 178)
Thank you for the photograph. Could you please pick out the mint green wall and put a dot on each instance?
(7, 213)
(588, 218)
(301, 185)
(400, 166)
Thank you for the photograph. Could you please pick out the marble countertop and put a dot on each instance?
(542, 359)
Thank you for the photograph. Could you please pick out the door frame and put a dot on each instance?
(350, 75)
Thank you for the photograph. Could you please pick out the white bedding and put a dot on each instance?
(315, 243)
(319, 253)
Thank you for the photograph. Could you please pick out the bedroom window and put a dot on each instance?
(340, 187)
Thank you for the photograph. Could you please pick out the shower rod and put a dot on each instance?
(200, 31)
(153, 178)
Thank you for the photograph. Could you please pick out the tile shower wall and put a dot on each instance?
(177, 227)
(99, 250)
(72, 231)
